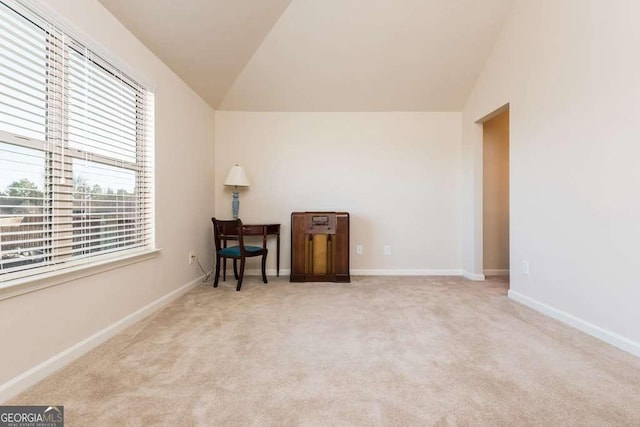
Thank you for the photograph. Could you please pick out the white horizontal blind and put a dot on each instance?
(75, 151)
(22, 76)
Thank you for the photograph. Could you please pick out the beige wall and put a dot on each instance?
(566, 71)
(495, 193)
(38, 325)
(398, 174)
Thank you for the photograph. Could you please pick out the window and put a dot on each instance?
(75, 151)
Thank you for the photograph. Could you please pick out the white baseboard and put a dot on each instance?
(361, 272)
(25, 380)
(496, 272)
(405, 272)
(473, 276)
(582, 325)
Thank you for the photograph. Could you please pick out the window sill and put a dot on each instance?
(16, 287)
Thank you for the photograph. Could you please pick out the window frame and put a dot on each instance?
(143, 167)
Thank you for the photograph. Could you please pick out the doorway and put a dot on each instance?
(495, 196)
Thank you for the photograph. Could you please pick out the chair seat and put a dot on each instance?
(235, 250)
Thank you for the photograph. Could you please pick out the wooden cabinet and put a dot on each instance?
(320, 247)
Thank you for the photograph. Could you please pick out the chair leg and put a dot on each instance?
(264, 268)
(241, 274)
(217, 277)
(235, 268)
(224, 270)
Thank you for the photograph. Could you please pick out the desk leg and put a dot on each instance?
(278, 255)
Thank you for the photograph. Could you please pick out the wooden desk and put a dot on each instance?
(264, 230)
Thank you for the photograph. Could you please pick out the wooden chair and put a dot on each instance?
(225, 230)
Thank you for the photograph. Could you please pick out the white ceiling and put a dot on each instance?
(321, 55)
(206, 42)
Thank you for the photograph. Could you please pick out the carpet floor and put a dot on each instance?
(378, 351)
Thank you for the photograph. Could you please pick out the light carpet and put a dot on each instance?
(377, 351)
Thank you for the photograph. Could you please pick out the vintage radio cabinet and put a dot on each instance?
(320, 247)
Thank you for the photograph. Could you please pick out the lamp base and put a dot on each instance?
(235, 204)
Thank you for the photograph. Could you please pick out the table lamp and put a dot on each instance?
(236, 177)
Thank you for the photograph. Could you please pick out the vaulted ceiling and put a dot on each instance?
(321, 55)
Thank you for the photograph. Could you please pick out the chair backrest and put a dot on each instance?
(227, 229)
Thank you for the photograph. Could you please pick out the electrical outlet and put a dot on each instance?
(192, 256)
(387, 249)
(358, 249)
(525, 268)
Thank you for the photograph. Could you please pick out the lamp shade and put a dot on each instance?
(237, 177)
